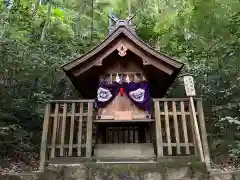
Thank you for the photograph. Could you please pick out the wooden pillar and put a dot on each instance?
(80, 129)
(89, 130)
(158, 130)
(184, 126)
(44, 138)
(167, 126)
(196, 150)
(70, 149)
(203, 133)
(54, 131)
(176, 128)
(63, 134)
(198, 138)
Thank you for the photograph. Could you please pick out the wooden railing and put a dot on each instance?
(122, 131)
(67, 130)
(175, 132)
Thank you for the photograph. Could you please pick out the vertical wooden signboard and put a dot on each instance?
(189, 86)
(190, 91)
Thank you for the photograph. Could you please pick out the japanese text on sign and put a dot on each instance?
(189, 86)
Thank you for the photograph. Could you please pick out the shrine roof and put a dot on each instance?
(160, 68)
(127, 32)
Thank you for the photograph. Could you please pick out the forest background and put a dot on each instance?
(38, 36)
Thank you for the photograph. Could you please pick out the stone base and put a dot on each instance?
(124, 151)
(158, 171)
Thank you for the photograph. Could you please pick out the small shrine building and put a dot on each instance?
(122, 114)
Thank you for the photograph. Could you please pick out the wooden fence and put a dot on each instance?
(67, 130)
(175, 134)
(119, 132)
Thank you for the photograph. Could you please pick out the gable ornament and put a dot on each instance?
(122, 50)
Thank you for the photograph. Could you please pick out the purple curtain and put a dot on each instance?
(106, 93)
(137, 92)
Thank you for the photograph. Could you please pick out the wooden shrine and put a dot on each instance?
(122, 113)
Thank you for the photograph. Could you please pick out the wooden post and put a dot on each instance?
(71, 130)
(203, 133)
(158, 129)
(176, 127)
(193, 131)
(63, 129)
(79, 152)
(167, 128)
(190, 91)
(44, 138)
(54, 130)
(89, 130)
(198, 138)
(184, 126)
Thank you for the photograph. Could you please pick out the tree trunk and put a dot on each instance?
(36, 4)
(44, 30)
(129, 7)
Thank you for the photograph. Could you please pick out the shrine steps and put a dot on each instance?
(124, 151)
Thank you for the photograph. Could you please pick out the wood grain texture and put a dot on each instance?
(198, 138)
(167, 126)
(79, 151)
(122, 103)
(54, 130)
(203, 133)
(184, 126)
(71, 130)
(89, 131)
(158, 130)
(176, 128)
(63, 128)
(44, 138)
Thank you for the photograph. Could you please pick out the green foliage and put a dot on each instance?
(228, 129)
(203, 34)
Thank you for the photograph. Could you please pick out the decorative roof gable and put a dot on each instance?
(122, 38)
(134, 44)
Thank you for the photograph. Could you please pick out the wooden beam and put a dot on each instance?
(184, 126)
(71, 130)
(54, 130)
(89, 131)
(198, 138)
(88, 55)
(193, 131)
(72, 101)
(66, 146)
(158, 130)
(151, 51)
(167, 128)
(63, 128)
(97, 61)
(175, 119)
(69, 114)
(83, 69)
(44, 138)
(147, 59)
(173, 99)
(139, 43)
(203, 133)
(79, 151)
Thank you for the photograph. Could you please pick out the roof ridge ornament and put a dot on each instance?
(125, 23)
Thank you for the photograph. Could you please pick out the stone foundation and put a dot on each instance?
(158, 171)
(124, 151)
